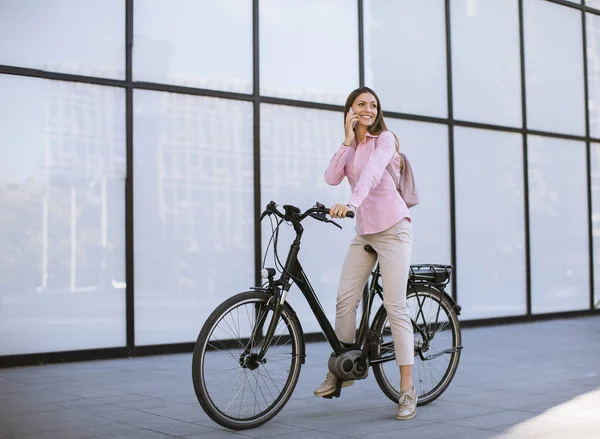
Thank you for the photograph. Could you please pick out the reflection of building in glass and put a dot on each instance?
(204, 185)
(83, 163)
(593, 74)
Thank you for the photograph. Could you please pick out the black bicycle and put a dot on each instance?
(248, 355)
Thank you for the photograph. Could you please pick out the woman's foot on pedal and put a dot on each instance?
(407, 405)
(327, 387)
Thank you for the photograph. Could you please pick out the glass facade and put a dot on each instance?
(140, 139)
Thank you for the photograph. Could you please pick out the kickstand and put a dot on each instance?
(338, 390)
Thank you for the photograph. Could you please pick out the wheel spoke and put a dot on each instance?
(436, 318)
(235, 386)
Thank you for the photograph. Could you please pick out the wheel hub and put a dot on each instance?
(251, 361)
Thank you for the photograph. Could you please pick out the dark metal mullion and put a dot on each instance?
(129, 223)
(361, 44)
(588, 157)
(525, 159)
(451, 151)
(37, 73)
(566, 3)
(193, 91)
(256, 145)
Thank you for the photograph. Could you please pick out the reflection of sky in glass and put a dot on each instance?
(490, 224)
(83, 38)
(558, 221)
(196, 43)
(405, 54)
(309, 49)
(593, 68)
(595, 174)
(486, 63)
(554, 68)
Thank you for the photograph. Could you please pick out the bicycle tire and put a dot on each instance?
(392, 391)
(203, 380)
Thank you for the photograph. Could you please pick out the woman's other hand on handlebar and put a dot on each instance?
(339, 210)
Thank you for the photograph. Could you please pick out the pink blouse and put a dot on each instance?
(378, 204)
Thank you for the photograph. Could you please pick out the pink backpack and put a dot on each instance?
(406, 183)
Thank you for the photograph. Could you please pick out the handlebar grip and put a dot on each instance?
(349, 214)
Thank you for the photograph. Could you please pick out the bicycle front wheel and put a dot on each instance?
(235, 387)
(437, 341)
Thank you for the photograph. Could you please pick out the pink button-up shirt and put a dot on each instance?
(378, 204)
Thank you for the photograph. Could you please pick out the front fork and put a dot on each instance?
(275, 303)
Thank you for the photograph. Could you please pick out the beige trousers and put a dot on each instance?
(394, 249)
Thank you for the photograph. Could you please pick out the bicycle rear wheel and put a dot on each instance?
(437, 341)
(235, 387)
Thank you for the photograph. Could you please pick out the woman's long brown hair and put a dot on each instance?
(378, 125)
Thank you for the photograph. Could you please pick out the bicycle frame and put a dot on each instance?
(293, 272)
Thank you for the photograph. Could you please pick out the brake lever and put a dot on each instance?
(334, 223)
(264, 214)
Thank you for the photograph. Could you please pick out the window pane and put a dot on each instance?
(194, 221)
(62, 235)
(595, 169)
(559, 225)
(554, 68)
(194, 43)
(296, 147)
(309, 49)
(490, 223)
(405, 54)
(67, 36)
(486, 66)
(593, 3)
(593, 65)
(426, 146)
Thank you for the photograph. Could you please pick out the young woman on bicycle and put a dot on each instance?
(383, 222)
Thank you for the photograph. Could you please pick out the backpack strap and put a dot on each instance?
(390, 168)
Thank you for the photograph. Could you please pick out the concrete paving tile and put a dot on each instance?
(136, 434)
(427, 431)
(154, 422)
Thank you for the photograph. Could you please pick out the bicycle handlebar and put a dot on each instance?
(294, 214)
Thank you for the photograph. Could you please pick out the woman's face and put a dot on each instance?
(365, 107)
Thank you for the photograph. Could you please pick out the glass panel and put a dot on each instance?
(309, 49)
(405, 54)
(194, 221)
(426, 146)
(62, 235)
(489, 209)
(595, 169)
(593, 65)
(486, 66)
(194, 43)
(593, 3)
(554, 68)
(559, 225)
(81, 38)
(296, 147)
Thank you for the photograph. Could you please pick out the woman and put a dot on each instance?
(383, 222)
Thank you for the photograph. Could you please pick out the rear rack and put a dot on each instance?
(429, 274)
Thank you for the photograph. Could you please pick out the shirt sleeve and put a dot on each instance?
(374, 169)
(335, 172)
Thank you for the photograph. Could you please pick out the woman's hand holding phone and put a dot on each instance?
(351, 120)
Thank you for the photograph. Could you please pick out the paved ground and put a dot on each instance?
(528, 380)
